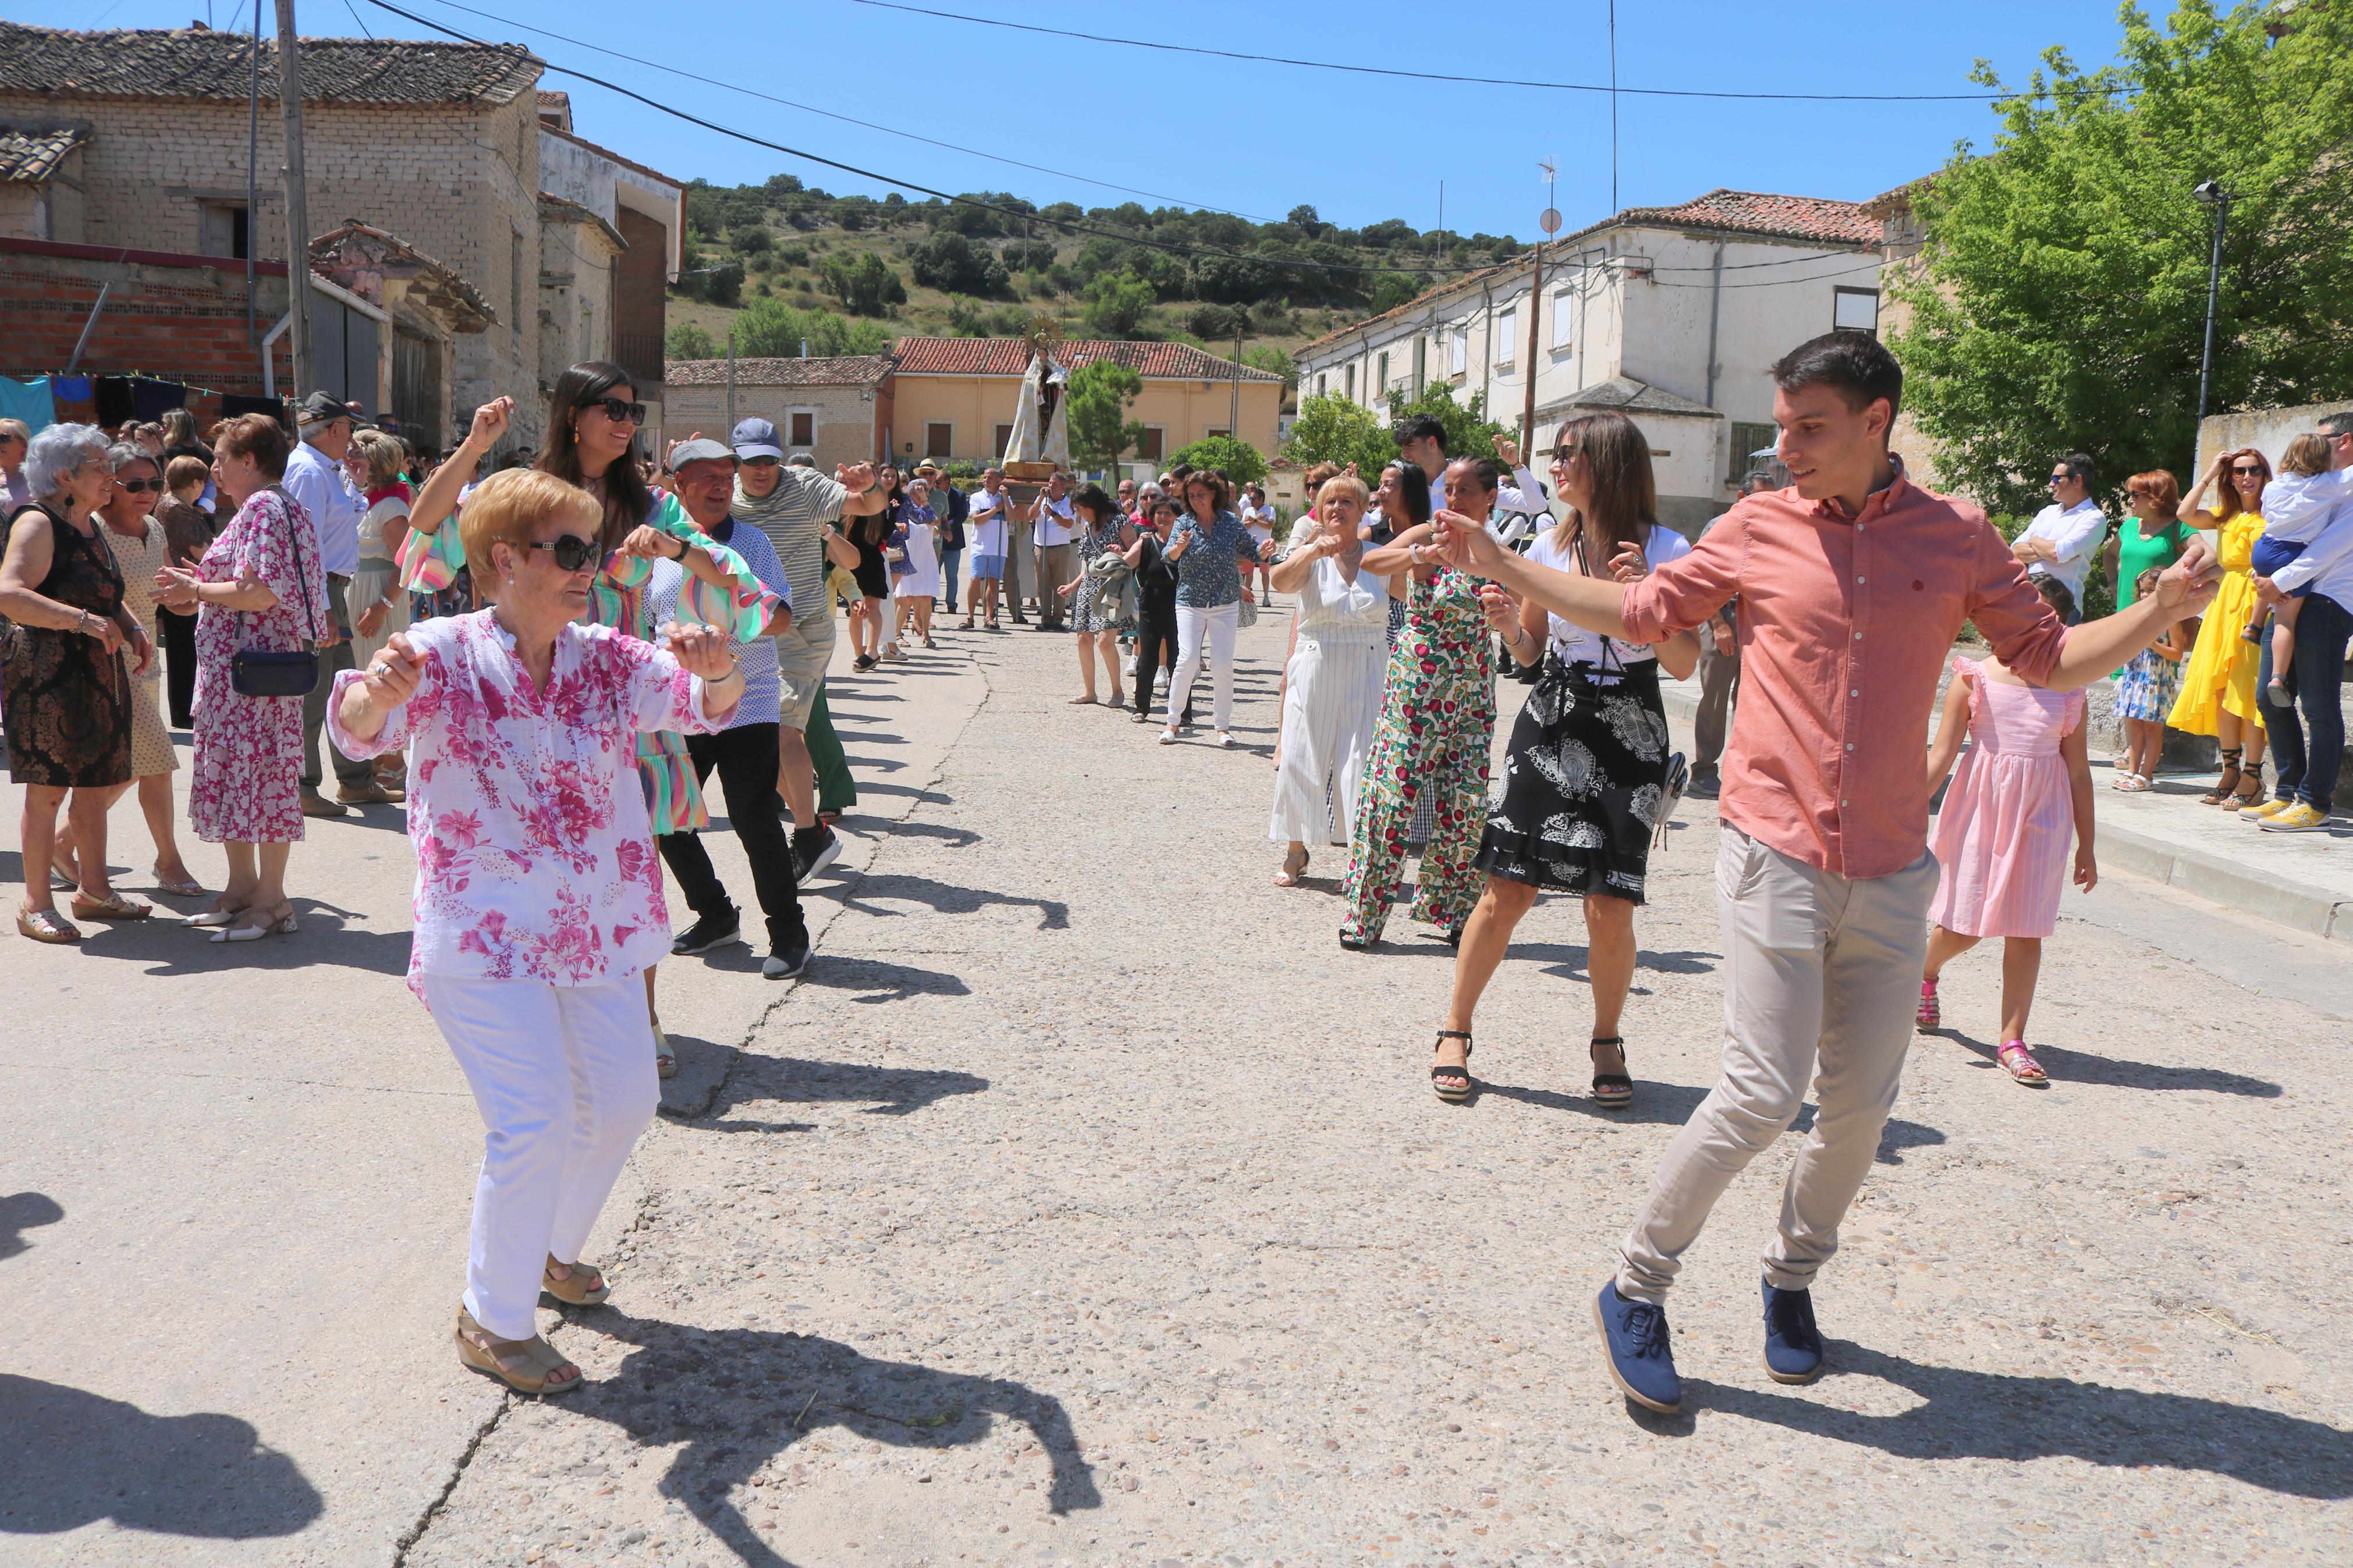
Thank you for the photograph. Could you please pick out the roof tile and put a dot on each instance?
(846, 370)
(178, 63)
(30, 157)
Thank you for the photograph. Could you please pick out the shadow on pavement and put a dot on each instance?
(738, 1397)
(2081, 1067)
(320, 938)
(75, 1458)
(794, 1081)
(1994, 1416)
(945, 898)
(20, 1212)
(873, 980)
(1672, 1104)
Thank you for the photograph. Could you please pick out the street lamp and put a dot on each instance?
(2212, 193)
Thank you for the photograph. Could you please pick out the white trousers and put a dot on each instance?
(1821, 975)
(1331, 702)
(1193, 626)
(563, 1078)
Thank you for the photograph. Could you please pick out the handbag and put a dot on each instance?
(269, 672)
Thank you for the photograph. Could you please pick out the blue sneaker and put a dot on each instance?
(1793, 1346)
(1634, 1336)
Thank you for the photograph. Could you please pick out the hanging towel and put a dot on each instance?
(114, 405)
(152, 399)
(236, 403)
(28, 401)
(70, 389)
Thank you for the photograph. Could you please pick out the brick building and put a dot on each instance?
(139, 139)
(836, 410)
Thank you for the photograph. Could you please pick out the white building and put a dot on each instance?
(1671, 314)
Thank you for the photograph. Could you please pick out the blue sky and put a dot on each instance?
(1257, 137)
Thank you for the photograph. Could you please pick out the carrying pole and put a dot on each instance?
(298, 218)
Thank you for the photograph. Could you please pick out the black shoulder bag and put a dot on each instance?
(265, 672)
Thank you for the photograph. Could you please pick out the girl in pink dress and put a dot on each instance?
(2001, 840)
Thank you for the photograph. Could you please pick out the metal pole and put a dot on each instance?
(731, 384)
(1234, 419)
(298, 216)
(1536, 308)
(2213, 296)
(252, 175)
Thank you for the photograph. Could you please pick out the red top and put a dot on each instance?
(1846, 623)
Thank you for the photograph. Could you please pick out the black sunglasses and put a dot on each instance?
(571, 551)
(1561, 455)
(139, 487)
(763, 462)
(618, 412)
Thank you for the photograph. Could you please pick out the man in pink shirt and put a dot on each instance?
(1852, 586)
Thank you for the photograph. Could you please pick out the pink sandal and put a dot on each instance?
(2021, 1065)
(1930, 1014)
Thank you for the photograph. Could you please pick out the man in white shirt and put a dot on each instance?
(2065, 535)
(1421, 441)
(2308, 749)
(987, 526)
(1052, 534)
(315, 477)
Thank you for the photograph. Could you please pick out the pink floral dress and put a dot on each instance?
(245, 787)
(534, 854)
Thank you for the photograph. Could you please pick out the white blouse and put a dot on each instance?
(534, 854)
(1334, 610)
(1572, 642)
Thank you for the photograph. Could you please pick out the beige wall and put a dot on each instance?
(50, 210)
(1185, 411)
(845, 419)
(460, 183)
(577, 263)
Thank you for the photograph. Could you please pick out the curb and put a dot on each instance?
(2292, 904)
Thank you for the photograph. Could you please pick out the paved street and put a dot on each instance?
(1087, 1203)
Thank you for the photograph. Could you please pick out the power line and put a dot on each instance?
(845, 119)
(1441, 76)
(1065, 225)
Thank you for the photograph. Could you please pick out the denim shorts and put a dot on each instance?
(2272, 556)
(987, 566)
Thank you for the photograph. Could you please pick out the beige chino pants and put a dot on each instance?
(1818, 969)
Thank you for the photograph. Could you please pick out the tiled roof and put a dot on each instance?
(1010, 356)
(1451, 285)
(181, 62)
(1627, 395)
(353, 249)
(563, 209)
(30, 157)
(1821, 218)
(848, 370)
(580, 141)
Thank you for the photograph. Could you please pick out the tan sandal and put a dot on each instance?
(569, 1290)
(539, 1359)
(113, 906)
(46, 925)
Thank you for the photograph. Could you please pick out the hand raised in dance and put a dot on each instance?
(1629, 565)
(490, 421)
(650, 543)
(2189, 586)
(855, 477)
(1503, 611)
(1464, 544)
(670, 454)
(393, 673)
(702, 650)
(1507, 449)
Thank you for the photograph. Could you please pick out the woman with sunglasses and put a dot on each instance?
(538, 894)
(1586, 775)
(593, 418)
(2218, 681)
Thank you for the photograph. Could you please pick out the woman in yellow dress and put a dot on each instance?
(2218, 684)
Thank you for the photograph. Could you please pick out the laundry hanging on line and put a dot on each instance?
(29, 400)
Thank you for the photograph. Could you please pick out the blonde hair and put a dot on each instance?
(2305, 456)
(385, 457)
(1345, 484)
(510, 506)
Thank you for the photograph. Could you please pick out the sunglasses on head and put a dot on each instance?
(139, 487)
(618, 412)
(571, 551)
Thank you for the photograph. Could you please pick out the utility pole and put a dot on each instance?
(1234, 419)
(252, 177)
(731, 384)
(298, 216)
(2213, 195)
(1549, 221)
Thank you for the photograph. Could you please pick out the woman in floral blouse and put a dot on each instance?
(539, 897)
(1209, 550)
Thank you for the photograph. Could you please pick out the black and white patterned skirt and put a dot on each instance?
(1583, 783)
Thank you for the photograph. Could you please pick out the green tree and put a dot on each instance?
(1116, 303)
(1335, 430)
(2059, 299)
(770, 329)
(1237, 459)
(867, 286)
(1100, 396)
(1391, 289)
(1469, 432)
(688, 340)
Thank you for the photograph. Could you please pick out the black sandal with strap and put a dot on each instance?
(2228, 783)
(1450, 1095)
(1611, 1090)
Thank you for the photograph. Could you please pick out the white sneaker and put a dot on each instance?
(1168, 737)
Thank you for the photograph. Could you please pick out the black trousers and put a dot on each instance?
(180, 666)
(1155, 633)
(745, 757)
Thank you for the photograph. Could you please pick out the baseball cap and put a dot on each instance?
(757, 439)
(324, 408)
(701, 449)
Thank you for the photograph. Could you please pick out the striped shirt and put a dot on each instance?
(792, 516)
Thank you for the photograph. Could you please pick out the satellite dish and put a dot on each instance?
(1550, 220)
